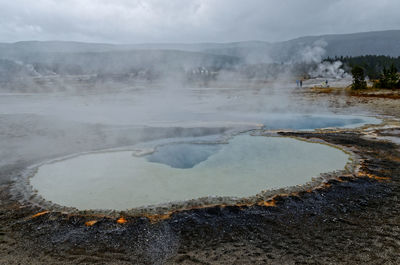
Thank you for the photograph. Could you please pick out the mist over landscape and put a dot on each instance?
(34, 66)
(199, 132)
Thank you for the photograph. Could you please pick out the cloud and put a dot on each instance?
(136, 21)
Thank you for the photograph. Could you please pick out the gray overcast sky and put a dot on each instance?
(137, 21)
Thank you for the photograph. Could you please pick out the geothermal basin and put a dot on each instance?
(177, 170)
(243, 167)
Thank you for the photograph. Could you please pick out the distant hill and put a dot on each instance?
(357, 44)
(149, 63)
(367, 43)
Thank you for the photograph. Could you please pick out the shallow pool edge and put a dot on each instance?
(23, 191)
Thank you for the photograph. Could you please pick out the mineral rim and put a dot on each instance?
(260, 197)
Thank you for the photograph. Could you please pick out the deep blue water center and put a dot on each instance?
(188, 155)
(183, 155)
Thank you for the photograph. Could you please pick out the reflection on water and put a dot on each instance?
(243, 167)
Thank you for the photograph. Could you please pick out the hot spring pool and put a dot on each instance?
(178, 172)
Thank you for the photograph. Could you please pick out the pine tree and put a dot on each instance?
(389, 78)
(358, 78)
(383, 79)
(393, 77)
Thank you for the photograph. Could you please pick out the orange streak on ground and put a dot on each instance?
(325, 185)
(121, 220)
(39, 214)
(154, 218)
(91, 223)
(270, 203)
(371, 176)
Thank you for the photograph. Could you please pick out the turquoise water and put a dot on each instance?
(243, 167)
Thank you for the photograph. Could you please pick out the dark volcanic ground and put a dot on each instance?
(352, 220)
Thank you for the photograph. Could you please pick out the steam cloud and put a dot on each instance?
(330, 70)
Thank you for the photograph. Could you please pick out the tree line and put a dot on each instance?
(373, 65)
(381, 70)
